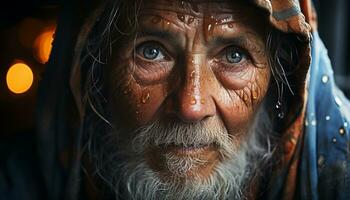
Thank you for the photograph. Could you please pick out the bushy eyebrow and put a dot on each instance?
(163, 34)
(245, 41)
(171, 37)
(219, 40)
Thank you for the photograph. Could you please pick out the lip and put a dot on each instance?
(189, 150)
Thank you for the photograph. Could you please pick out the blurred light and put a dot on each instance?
(28, 30)
(19, 78)
(43, 45)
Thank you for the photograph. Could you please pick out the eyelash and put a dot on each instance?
(246, 57)
(155, 45)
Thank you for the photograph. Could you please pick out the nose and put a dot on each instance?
(193, 100)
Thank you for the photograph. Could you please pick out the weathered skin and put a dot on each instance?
(194, 80)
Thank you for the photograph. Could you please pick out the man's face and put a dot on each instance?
(189, 84)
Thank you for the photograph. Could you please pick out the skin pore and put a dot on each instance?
(192, 62)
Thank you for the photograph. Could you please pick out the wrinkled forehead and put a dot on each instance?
(210, 13)
(195, 7)
(221, 11)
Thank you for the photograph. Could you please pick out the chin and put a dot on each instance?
(185, 176)
(184, 163)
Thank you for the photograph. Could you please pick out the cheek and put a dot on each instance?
(138, 104)
(238, 106)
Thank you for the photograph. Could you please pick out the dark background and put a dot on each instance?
(18, 111)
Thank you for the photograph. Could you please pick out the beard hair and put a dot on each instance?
(125, 170)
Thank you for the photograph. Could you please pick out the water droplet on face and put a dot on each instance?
(245, 97)
(202, 101)
(190, 20)
(156, 19)
(255, 95)
(181, 17)
(145, 98)
(209, 27)
(192, 74)
(193, 101)
(168, 23)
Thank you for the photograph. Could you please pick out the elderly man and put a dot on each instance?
(193, 99)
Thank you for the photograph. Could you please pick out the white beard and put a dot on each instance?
(125, 167)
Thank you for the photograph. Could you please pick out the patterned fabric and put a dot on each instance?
(316, 161)
(316, 144)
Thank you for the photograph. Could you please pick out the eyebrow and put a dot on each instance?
(240, 41)
(219, 40)
(163, 34)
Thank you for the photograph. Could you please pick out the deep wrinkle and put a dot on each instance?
(196, 83)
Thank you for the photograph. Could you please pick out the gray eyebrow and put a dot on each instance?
(164, 34)
(240, 40)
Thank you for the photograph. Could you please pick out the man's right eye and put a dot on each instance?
(151, 52)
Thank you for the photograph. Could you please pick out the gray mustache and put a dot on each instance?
(159, 134)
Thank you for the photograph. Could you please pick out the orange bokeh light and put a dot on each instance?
(43, 45)
(19, 78)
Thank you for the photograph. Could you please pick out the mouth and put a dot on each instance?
(187, 150)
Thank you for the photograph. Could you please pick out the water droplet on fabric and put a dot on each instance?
(334, 140)
(325, 79)
(342, 131)
(313, 122)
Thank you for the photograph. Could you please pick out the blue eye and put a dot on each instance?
(235, 56)
(150, 52)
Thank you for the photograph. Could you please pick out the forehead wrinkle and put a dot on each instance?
(179, 24)
(194, 6)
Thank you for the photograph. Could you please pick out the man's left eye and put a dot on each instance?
(234, 56)
(151, 52)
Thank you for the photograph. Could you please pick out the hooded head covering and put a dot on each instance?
(61, 105)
